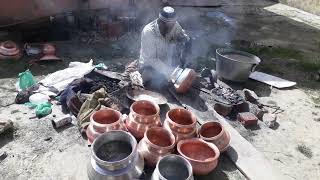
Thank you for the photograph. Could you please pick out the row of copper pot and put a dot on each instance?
(10, 50)
(179, 128)
(114, 156)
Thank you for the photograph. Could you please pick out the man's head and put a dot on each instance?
(166, 20)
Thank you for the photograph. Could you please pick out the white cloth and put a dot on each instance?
(157, 51)
(62, 78)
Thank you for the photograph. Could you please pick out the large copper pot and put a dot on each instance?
(215, 133)
(156, 143)
(114, 156)
(102, 121)
(173, 167)
(9, 50)
(203, 156)
(181, 123)
(143, 115)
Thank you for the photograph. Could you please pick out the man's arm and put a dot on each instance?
(186, 44)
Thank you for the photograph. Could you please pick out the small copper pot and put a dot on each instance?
(181, 123)
(156, 143)
(49, 52)
(143, 115)
(9, 50)
(203, 156)
(214, 132)
(104, 120)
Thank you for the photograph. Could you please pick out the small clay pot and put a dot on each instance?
(104, 120)
(156, 143)
(143, 115)
(203, 156)
(9, 50)
(181, 123)
(214, 132)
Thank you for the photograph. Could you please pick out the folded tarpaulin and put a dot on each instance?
(60, 79)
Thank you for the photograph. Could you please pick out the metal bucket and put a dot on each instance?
(235, 65)
(115, 157)
(173, 167)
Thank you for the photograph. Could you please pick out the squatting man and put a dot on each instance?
(164, 46)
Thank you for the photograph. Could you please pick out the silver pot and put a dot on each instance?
(235, 65)
(172, 167)
(115, 157)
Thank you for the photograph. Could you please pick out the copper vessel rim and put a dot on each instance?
(193, 117)
(110, 163)
(156, 106)
(209, 124)
(189, 166)
(109, 124)
(212, 146)
(172, 138)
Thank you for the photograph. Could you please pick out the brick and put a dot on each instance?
(247, 119)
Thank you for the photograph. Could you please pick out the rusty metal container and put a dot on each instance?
(203, 156)
(9, 50)
(181, 123)
(102, 121)
(214, 132)
(156, 143)
(143, 115)
(114, 156)
(173, 167)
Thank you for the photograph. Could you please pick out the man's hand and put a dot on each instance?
(136, 80)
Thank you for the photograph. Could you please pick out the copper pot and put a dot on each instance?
(215, 133)
(49, 52)
(181, 123)
(156, 143)
(143, 115)
(203, 156)
(102, 121)
(185, 80)
(9, 50)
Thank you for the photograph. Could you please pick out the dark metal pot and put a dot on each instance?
(235, 65)
(115, 157)
(173, 167)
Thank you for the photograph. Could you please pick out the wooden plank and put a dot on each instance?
(252, 163)
(196, 3)
(271, 80)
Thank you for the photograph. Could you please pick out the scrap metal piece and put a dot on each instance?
(141, 94)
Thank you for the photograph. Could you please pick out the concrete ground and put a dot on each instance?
(288, 41)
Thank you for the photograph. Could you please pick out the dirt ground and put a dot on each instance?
(288, 49)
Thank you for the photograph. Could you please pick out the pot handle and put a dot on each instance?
(253, 68)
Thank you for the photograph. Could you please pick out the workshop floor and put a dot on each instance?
(37, 151)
